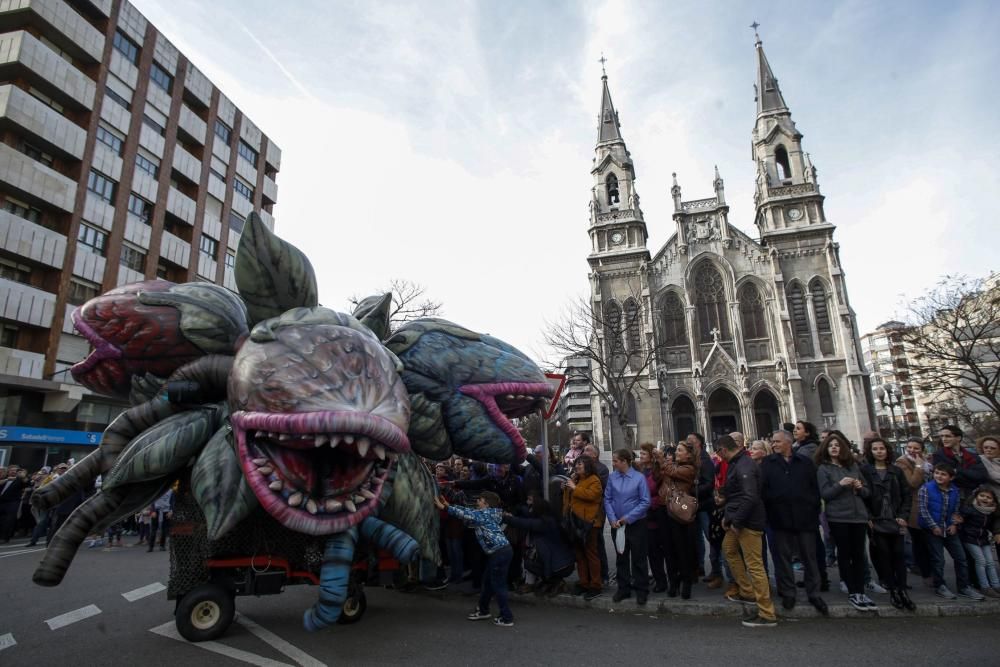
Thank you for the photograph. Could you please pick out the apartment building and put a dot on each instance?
(119, 161)
(898, 411)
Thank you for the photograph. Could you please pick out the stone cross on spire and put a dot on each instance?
(602, 60)
(715, 334)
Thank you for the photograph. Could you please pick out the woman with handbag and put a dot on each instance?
(679, 478)
(889, 506)
(582, 501)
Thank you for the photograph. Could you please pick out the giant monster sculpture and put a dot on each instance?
(269, 403)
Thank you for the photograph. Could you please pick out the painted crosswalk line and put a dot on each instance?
(7, 641)
(144, 591)
(71, 617)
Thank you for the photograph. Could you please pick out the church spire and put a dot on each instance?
(769, 96)
(608, 128)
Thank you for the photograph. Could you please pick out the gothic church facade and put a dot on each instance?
(743, 334)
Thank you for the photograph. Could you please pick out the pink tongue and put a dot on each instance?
(294, 467)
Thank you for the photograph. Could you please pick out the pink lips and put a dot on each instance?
(487, 393)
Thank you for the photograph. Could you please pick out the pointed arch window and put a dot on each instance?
(825, 397)
(633, 332)
(819, 305)
(612, 185)
(674, 321)
(799, 314)
(613, 333)
(710, 303)
(781, 160)
(754, 320)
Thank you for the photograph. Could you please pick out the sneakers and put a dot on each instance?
(640, 598)
(862, 602)
(874, 587)
(972, 594)
(736, 597)
(578, 589)
(759, 622)
(503, 623)
(942, 591)
(435, 585)
(843, 588)
(620, 595)
(869, 603)
(590, 595)
(478, 615)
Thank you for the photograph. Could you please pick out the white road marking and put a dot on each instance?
(21, 553)
(279, 644)
(70, 617)
(145, 591)
(14, 546)
(169, 630)
(6, 641)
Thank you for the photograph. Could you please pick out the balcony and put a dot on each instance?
(25, 238)
(229, 280)
(98, 212)
(20, 51)
(212, 227)
(175, 249)
(88, 265)
(192, 125)
(48, 127)
(181, 205)
(26, 304)
(115, 115)
(187, 164)
(241, 205)
(35, 180)
(151, 140)
(207, 267)
(127, 276)
(246, 171)
(270, 190)
(137, 231)
(273, 155)
(198, 85)
(21, 363)
(70, 31)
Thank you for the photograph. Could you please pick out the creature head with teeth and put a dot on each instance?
(320, 414)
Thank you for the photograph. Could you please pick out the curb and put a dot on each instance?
(802, 610)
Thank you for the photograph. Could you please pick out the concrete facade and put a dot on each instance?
(747, 332)
(119, 161)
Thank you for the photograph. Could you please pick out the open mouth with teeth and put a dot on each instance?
(509, 400)
(317, 472)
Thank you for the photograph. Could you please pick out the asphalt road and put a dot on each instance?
(425, 629)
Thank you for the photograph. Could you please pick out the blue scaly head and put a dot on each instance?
(464, 389)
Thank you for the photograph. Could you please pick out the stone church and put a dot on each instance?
(740, 333)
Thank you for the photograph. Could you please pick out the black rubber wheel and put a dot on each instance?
(204, 613)
(354, 607)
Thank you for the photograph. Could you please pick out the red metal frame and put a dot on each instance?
(263, 562)
(561, 379)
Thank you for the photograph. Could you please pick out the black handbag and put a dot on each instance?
(577, 530)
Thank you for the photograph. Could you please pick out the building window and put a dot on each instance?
(825, 398)
(133, 258)
(633, 332)
(781, 159)
(710, 304)
(819, 305)
(117, 99)
(101, 185)
(243, 189)
(752, 313)
(81, 291)
(140, 208)
(247, 153)
(45, 99)
(236, 223)
(797, 309)
(613, 332)
(92, 238)
(223, 131)
(230, 260)
(36, 153)
(126, 47)
(8, 336)
(22, 210)
(674, 321)
(612, 185)
(153, 125)
(110, 139)
(19, 273)
(149, 166)
(209, 246)
(159, 76)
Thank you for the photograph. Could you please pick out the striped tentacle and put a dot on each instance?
(386, 536)
(335, 574)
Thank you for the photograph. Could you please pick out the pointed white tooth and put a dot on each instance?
(295, 499)
(367, 494)
(321, 439)
(260, 462)
(284, 436)
(380, 451)
(265, 470)
(358, 499)
(334, 440)
(332, 505)
(363, 445)
(276, 485)
(260, 434)
(348, 438)
(311, 506)
(510, 397)
(351, 507)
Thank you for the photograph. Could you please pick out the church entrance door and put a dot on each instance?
(684, 417)
(765, 410)
(723, 413)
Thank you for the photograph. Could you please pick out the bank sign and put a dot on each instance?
(48, 436)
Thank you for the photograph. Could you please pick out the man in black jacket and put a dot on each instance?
(791, 498)
(744, 522)
(11, 488)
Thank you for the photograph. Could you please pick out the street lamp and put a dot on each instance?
(891, 396)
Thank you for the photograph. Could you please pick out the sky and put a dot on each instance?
(450, 143)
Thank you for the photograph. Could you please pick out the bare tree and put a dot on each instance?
(953, 336)
(611, 338)
(409, 302)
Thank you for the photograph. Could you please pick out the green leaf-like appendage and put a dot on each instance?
(411, 505)
(427, 433)
(212, 317)
(272, 275)
(164, 448)
(131, 498)
(219, 486)
(373, 312)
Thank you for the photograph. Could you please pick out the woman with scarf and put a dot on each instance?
(917, 470)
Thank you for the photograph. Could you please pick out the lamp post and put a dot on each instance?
(890, 396)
